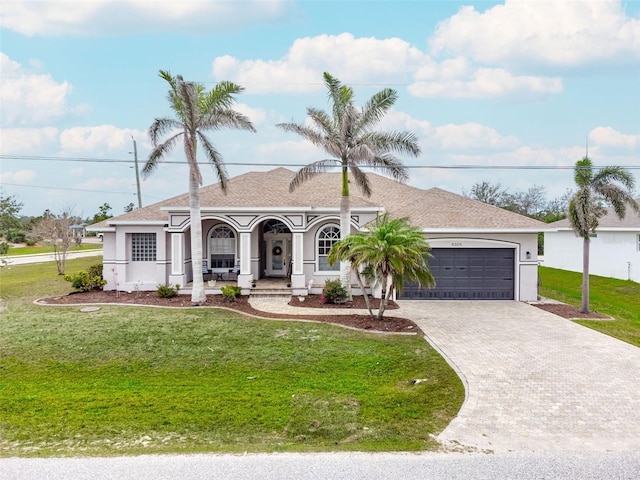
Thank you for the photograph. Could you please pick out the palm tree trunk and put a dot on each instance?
(585, 275)
(198, 295)
(385, 296)
(345, 229)
(364, 293)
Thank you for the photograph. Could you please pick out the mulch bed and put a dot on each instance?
(361, 322)
(569, 311)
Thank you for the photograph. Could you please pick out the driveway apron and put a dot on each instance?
(534, 381)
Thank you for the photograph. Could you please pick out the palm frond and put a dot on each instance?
(215, 159)
(361, 179)
(396, 141)
(305, 132)
(160, 127)
(158, 152)
(226, 118)
(309, 171)
(391, 166)
(221, 96)
(378, 105)
(322, 120)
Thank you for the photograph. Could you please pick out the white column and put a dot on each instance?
(297, 275)
(245, 277)
(177, 275)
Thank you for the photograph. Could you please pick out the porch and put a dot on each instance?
(264, 287)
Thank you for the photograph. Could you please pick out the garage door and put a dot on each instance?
(467, 274)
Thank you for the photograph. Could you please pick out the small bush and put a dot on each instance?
(230, 292)
(95, 270)
(4, 248)
(167, 291)
(14, 235)
(83, 282)
(334, 292)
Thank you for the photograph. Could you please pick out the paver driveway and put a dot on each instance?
(535, 381)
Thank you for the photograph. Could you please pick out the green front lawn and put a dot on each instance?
(25, 250)
(130, 380)
(619, 299)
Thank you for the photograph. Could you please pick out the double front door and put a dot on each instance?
(278, 255)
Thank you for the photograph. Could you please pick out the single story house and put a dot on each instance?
(614, 249)
(262, 230)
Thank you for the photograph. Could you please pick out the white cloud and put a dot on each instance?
(352, 60)
(19, 177)
(31, 99)
(99, 17)
(469, 136)
(370, 60)
(608, 137)
(482, 83)
(256, 115)
(99, 140)
(28, 141)
(558, 33)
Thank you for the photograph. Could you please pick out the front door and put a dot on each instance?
(278, 255)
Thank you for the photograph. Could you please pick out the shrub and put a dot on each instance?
(14, 235)
(95, 270)
(4, 248)
(167, 291)
(230, 292)
(84, 282)
(334, 292)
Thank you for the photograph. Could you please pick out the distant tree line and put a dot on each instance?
(531, 202)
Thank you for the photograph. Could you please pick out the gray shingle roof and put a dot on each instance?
(431, 209)
(631, 220)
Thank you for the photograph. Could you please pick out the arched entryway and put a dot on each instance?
(276, 249)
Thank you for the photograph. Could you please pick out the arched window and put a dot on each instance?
(327, 236)
(222, 247)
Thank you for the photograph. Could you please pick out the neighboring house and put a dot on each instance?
(614, 250)
(259, 227)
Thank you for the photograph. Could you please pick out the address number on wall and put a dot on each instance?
(456, 244)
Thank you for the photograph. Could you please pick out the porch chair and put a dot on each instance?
(234, 271)
(205, 269)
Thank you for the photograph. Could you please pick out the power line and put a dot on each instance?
(73, 189)
(270, 164)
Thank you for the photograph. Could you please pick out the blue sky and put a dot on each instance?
(522, 83)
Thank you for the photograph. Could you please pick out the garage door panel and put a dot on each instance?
(468, 274)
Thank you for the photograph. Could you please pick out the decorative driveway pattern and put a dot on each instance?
(535, 381)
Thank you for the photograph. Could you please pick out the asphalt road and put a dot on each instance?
(46, 257)
(330, 466)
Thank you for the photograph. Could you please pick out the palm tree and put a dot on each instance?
(347, 135)
(196, 110)
(390, 253)
(612, 185)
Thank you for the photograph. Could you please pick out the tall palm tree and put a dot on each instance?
(196, 111)
(348, 137)
(390, 253)
(612, 185)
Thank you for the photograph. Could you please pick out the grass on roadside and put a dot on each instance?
(129, 380)
(26, 250)
(619, 299)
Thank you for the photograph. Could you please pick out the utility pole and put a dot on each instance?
(135, 158)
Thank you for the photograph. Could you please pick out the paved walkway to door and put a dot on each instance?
(535, 381)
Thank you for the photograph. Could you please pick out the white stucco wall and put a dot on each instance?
(123, 274)
(613, 254)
